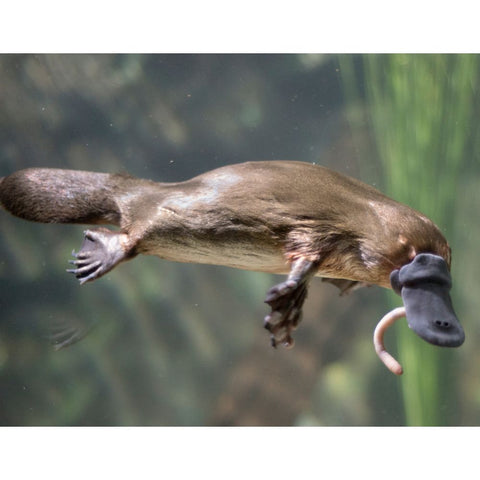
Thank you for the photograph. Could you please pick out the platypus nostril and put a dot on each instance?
(442, 324)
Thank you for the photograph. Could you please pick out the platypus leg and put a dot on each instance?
(286, 300)
(101, 250)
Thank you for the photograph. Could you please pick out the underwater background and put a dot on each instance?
(179, 344)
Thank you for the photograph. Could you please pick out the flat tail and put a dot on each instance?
(50, 195)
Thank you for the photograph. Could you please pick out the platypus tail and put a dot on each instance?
(63, 196)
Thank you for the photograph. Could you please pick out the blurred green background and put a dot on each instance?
(177, 344)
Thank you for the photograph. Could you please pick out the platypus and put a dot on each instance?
(281, 217)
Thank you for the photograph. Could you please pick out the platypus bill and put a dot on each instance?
(280, 217)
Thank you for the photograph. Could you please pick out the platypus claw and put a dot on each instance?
(101, 250)
(286, 300)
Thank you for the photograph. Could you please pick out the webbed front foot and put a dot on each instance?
(286, 300)
(101, 251)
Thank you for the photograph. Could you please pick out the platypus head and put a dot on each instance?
(424, 285)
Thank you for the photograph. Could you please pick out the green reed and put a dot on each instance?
(420, 109)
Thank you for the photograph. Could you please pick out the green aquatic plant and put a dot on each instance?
(420, 109)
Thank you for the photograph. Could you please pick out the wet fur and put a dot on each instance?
(277, 217)
(257, 216)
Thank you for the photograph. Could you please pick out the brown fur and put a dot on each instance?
(258, 216)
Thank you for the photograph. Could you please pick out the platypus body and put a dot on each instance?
(274, 216)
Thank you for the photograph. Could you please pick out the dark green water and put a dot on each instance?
(177, 344)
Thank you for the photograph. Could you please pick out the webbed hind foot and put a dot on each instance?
(101, 251)
(286, 300)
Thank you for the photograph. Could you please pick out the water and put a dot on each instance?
(180, 344)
